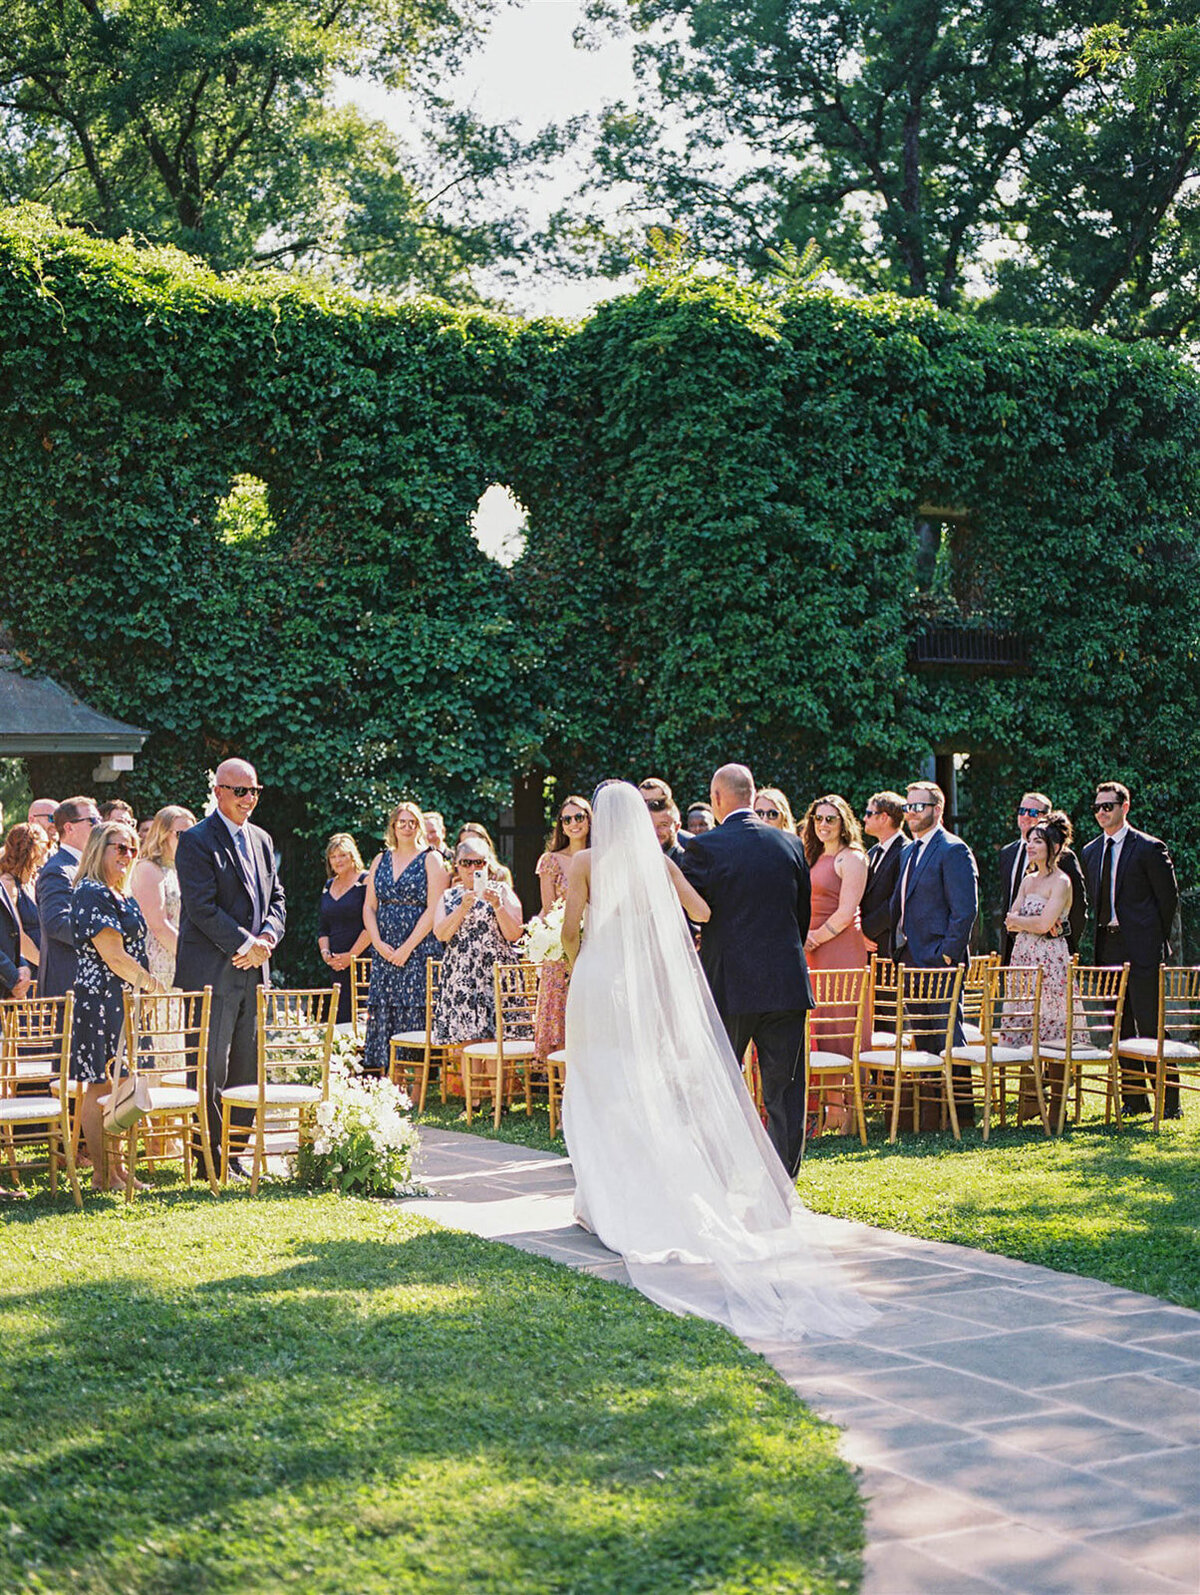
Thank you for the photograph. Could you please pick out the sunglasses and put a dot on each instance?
(1107, 806)
(573, 819)
(826, 819)
(472, 863)
(1032, 814)
(768, 814)
(656, 805)
(124, 849)
(869, 814)
(915, 808)
(240, 791)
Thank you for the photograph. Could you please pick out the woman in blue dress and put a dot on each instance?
(404, 884)
(110, 939)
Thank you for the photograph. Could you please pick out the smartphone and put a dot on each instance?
(478, 882)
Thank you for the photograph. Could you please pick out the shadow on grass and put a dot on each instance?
(400, 1408)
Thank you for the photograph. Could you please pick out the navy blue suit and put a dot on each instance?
(755, 881)
(217, 914)
(11, 967)
(56, 967)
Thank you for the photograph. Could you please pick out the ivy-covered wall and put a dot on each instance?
(722, 487)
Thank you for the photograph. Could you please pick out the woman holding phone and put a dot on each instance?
(477, 921)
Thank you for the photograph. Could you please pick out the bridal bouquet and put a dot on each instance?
(542, 941)
(365, 1139)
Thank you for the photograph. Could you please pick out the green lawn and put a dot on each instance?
(322, 1394)
(1119, 1206)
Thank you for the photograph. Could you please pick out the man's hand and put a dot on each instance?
(23, 984)
(872, 946)
(255, 955)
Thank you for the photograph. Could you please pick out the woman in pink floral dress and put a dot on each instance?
(572, 834)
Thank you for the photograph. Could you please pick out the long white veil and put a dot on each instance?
(673, 1168)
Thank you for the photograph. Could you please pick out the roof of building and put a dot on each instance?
(39, 716)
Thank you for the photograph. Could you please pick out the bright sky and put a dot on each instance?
(528, 71)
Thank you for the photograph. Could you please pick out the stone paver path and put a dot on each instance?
(1016, 1429)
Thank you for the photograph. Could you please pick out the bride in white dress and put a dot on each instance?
(673, 1169)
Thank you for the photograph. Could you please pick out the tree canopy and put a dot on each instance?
(214, 125)
(956, 149)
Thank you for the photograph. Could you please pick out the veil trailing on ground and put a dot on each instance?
(673, 1168)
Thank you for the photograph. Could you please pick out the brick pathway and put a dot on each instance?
(1016, 1429)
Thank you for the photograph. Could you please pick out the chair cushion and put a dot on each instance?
(488, 1049)
(883, 1038)
(999, 1054)
(1078, 1054)
(286, 1095)
(832, 1060)
(409, 1038)
(1147, 1047)
(972, 1033)
(908, 1060)
(15, 1109)
(557, 1057)
(166, 1098)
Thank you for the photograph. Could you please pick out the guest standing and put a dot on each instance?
(41, 814)
(25, 849)
(699, 819)
(883, 819)
(74, 819)
(1033, 808)
(772, 808)
(155, 885)
(838, 874)
(110, 935)
(342, 934)
(232, 916)
(501, 872)
(477, 928)
(403, 886)
(572, 833)
(1131, 880)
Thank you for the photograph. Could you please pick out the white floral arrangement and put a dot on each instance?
(365, 1139)
(542, 941)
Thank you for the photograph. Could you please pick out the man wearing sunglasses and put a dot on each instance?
(231, 918)
(1014, 859)
(660, 801)
(73, 822)
(1132, 883)
(883, 821)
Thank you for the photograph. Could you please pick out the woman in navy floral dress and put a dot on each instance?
(478, 928)
(110, 935)
(403, 885)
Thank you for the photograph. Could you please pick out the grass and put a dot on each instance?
(324, 1394)
(1118, 1206)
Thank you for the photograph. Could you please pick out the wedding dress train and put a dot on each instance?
(672, 1166)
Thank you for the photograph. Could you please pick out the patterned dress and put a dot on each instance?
(466, 1009)
(549, 1031)
(396, 996)
(162, 959)
(1053, 957)
(99, 994)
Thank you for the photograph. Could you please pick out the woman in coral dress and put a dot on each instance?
(572, 834)
(838, 867)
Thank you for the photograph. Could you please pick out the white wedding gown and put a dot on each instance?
(673, 1169)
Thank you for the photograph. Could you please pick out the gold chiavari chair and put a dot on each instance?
(926, 1007)
(834, 1032)
(166, 1047)
(35, 1094)
(1011, 1016)
(556, 1080)
(1172, 1056)
(1086, 1062)
(493, 1067)
(295, 1039)
(974, 993)
(410, 1073)
(360, 985)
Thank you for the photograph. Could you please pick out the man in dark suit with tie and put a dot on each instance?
(15, 973)
(1034, 807)
(1132, 881)
(231, 918)
(883, 818)
(755, 880)
(73, 821)
(934, 907)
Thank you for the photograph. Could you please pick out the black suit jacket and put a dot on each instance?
(10, 944)
(1146, 895)
(755, 880)
(217, 912)
(1069, 864)
(883, 871)
(56, 966)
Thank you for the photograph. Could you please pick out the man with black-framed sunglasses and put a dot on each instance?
(660, 801)
(1133, 887)
(1013, 862)
(231, 918)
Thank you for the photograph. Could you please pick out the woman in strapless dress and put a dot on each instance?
(838, 866)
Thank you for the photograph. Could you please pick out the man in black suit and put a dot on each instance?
(883, 818)
(1034, 807)
(232, 917)
(1132, 883)
(15, 973)
(664, 812)
(73, 821)
(755, 880)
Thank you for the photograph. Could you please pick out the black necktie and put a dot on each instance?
(1104, 911)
